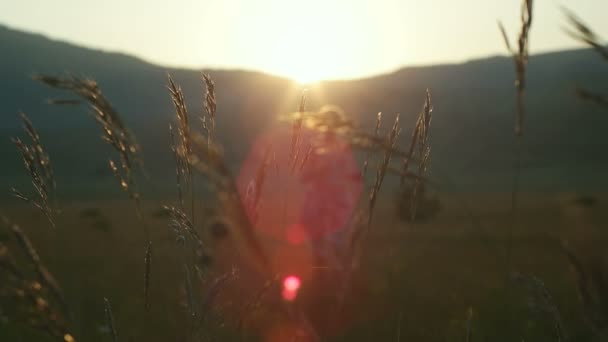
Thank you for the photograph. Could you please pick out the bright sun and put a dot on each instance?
(308, 53)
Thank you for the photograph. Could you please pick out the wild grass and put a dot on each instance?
(376, 132)
(580, 31)
(114, 131)
(296, 131)
(382, 168)
(590, 271)
(420, 138)
(520, 59)
(35, 296)
(38, 165)
(210, 107)
(116, 134)
(583, 33)
(181, 144)
(253, 194)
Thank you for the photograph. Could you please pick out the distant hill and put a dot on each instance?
(565, 138)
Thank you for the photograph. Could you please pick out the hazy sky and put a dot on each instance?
(306, 39)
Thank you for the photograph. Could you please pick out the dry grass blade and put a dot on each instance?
(110, 319)
(420, 141)
(275, 163)
(309, 151)
(210, 106)
(184, 147)
(419, 137)
(114, 131)
(179, 168)
(44, 276)
(253, 193)
(189, 293)
(332, 120)
(294, 161)
(376, 132)
(41, 156)
(38, 165)
(520, 59)
(182, 226)
(526, 22)
(505, 37)
(296, 130)
(116, 134)
(408, 158)
(588, 95)
(89, 91)
(208, 159)
(424, 149)
(382, 169)
(147, 270)
(583, 33)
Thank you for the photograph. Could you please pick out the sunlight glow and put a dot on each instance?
(307, 53)
(306, 41)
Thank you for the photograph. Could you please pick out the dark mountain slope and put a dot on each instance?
(564, 147)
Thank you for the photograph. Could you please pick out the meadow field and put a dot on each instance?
(430, 281)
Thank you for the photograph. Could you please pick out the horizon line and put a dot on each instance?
(470, 59)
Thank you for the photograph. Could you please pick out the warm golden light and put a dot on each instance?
(308, 53)
(304, 40)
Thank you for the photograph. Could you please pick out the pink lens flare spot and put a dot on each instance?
(291, 285)
(300, 196)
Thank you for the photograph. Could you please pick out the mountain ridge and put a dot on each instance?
(119, 54)
(474, 111)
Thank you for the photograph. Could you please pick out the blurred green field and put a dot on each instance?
(417, 282)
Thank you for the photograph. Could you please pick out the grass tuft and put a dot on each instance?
(38, 165)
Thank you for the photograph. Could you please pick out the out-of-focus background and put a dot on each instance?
(439, 278)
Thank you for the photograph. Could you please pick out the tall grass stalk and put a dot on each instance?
(368, 153)
(520, 60)
(117, 135)
(38, 165)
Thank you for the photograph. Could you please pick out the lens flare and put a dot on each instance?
(296, 234)
(291, 285)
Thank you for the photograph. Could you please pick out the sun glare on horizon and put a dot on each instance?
(323, 40)
(308, 53)
(305, 41)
